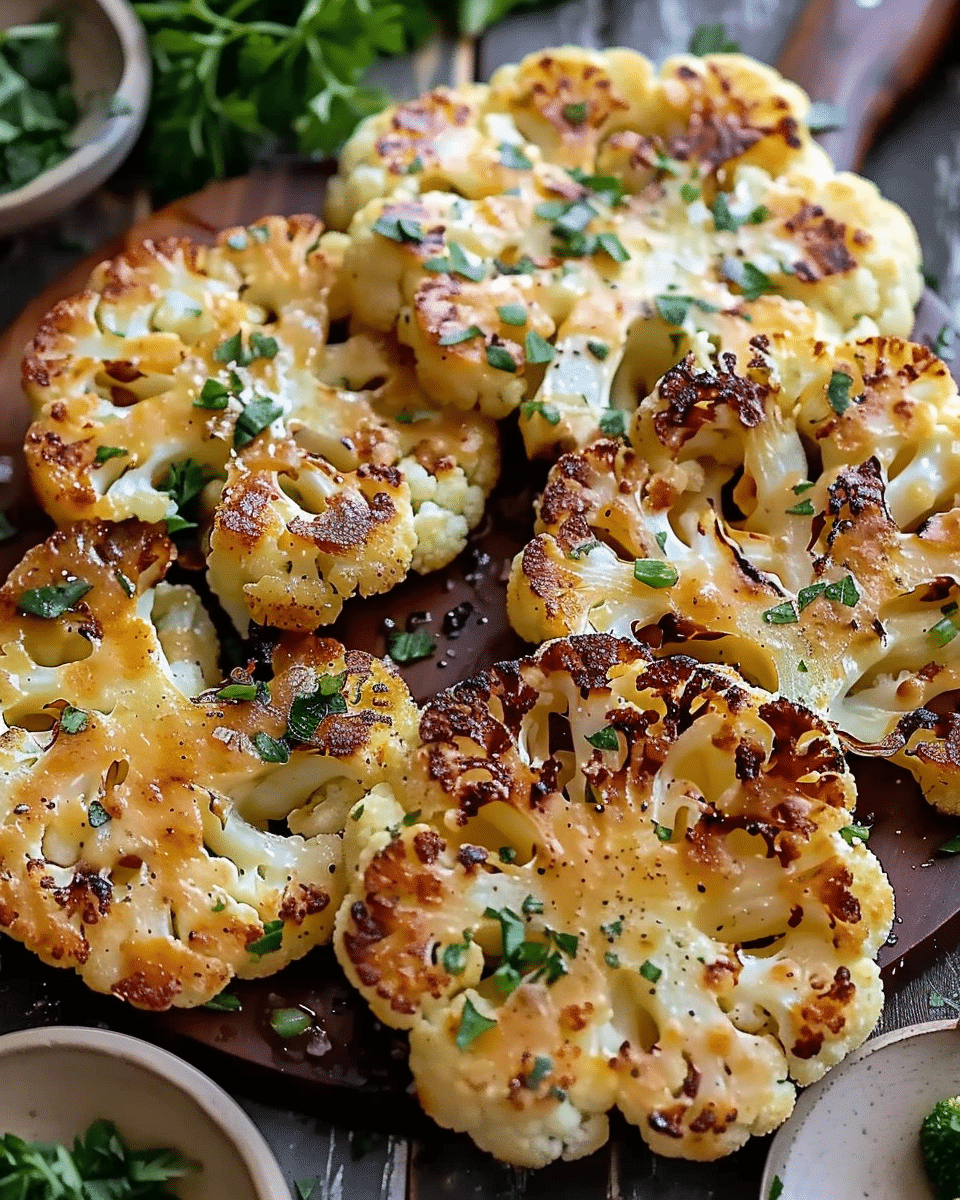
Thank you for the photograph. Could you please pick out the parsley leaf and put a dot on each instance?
(410, 647)
(53, 601)
(655, 574)
(711, 39)
(306, 712)
(838, 392)
(472, 1025)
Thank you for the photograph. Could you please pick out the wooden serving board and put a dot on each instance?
(350, 1067)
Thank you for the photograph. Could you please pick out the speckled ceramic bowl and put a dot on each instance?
(110, 60)
(855, 1133)
(54, 1082)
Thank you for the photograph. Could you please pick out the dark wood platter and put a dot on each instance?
(349, 1067)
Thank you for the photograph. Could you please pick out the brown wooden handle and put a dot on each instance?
(865, 57)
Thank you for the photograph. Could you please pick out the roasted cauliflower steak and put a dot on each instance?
(795, 514)
(196, 384)
(615, 881)
(142, 799)
(633, 217)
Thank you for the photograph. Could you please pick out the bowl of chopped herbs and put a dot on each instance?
(87, 1114)
(74, 91)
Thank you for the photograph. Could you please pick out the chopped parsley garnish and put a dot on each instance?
(844, 591)
(805, 486)
(412, 418)
(612, 929)
(410, 647)
(944, 631)
(500, 358)
(262, 346)
(454, 957)
(661, 538)
(399, 229)
(105, 453)
(674, 309)
(611, 958)
(567, 942)
(537, 349)
(513, 314)
(306, 712)
(803, 509)
(950, 846)
(460, 335)
(272, 750)
(513, 157)
(838, 392)
(776, 1188)
(53, 601)
(549, 412)
(610, 244)
(599, 350)
(183, 482)
(542, 1066)
(854, 834)
(802, 667)
(753, 282)
(651, 972)
(260, 413)
(613, 422)
(238, 691)
(576, 113)
(523, 266)
(605, 738)
(213, 395)
(72, 720)
(414, 166)
(269, 940)
(97, 815)
(224, 1002)
(655, 574)
(723, 218)
(664, 832)
(305, 1187)
(711, 38)
(289, 1023)
(607, 188)
(583, 550)
(507, 854)
(824, 117)
(689, 192)
(467, 266)
(411, 818)
(472, 1025)
(782, 614)
(531, 905)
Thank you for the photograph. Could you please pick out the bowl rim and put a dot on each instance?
(133, 89)
(809, 1096)
(247, 1140)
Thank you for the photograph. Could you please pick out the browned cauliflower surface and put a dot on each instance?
(585, 213)
(183, 366)
(138, 840)
(611, 881)
(795, 515)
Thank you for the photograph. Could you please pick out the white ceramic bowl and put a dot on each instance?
(855, 1133)
(109, 57)
(54, 1082)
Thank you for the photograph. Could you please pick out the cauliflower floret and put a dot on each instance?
(608, 882)
(139, 843)
(180, 357)
(581, 109)
(536, 300)
(292, 538)
(795, 516)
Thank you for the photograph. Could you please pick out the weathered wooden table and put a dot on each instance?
(917, 163)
